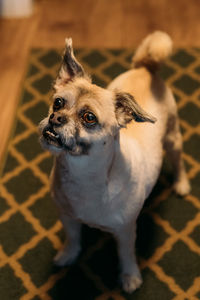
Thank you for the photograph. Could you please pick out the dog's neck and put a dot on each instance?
(96, 165)
(104, 172)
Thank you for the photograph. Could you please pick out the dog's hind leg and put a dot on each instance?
(173, 147)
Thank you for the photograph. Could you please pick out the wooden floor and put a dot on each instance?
(99, 23)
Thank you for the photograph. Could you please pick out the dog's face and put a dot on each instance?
(83, 115)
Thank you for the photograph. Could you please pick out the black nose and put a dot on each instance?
(57, 119)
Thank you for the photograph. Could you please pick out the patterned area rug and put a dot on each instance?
(168, 244)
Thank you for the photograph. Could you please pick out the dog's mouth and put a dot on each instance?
(52, 137)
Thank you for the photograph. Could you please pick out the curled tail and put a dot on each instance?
(154, 49)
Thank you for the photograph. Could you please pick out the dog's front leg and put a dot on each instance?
(71, 248)
(130, 273)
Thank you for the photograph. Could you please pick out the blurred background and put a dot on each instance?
(25, 24)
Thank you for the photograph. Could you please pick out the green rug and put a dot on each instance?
(168, 244)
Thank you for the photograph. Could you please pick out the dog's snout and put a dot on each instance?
(57, 119)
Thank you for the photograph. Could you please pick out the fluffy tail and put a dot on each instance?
(154, 49)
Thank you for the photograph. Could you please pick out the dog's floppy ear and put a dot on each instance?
(70, 67)
(127, 109)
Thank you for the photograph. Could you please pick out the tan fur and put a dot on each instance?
(150, 92)
(154, 49)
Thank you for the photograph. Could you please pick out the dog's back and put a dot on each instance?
(144, 83)
(152, 94)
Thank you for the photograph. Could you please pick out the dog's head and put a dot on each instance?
(82, 114)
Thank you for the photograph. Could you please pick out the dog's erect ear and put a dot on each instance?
(127, 109)
(70, 67)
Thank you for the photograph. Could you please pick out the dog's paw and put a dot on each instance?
(131, 282)
(66, 257)
(182, 187)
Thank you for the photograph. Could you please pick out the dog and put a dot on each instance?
(108, 146)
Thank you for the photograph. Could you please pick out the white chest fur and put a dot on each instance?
(105, 191)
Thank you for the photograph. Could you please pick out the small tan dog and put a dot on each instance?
(109, 149)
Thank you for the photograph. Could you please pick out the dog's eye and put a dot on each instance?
(89, 118)
(58, 103)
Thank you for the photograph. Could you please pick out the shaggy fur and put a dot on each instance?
(108, 146)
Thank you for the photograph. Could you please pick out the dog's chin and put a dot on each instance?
(50, 140)
(50, 146)
(56, 149)
(55, 143)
